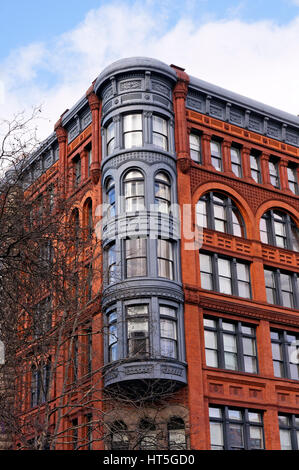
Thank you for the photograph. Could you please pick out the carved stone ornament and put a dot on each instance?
(184, 164)
(95, 175)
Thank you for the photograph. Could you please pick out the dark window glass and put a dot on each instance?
(235, 429)
(138, 330)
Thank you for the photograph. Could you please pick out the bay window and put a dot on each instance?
(162, 192)
(165, 259)
(136, 257)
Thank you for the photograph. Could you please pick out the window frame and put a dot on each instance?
(168, 263)
(143, 317)
(174, 320)
(214, 274)
(284, 345)
(127, 183)
(165, 136)
(288, 223)
(293, 181)
(132, 130)
(292, 427)
(256, 170)
(244, 422)
(274, 175)
(195, 150)
(229, 208)
(216, 157)
(276, 286)
(239, 335)
(238, 164)
(136, 256)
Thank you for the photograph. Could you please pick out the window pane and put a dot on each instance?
(215, 412)
(160, 141)
(168, 329)
(132, 122)
(136, 267)
(133, 139)
(276, 352)
(211, 358)
(244, 290)
(215, 148)
(228, 326)
(230, 360)
(250, 364)
(249, 346)
(235, 415)
(224, 267)
(216, 436)
(206, 281)
(135, 247)
(209, 322)
(171, 312)
(137, 310)
(256, 437)
(210, 339)
(278, 369)
(168, 348)
(159, 125)
(165, 249)
(229, 343)
(201, 213)
(205, 263)
(236, 438)
(242, 272)
(225, 286)
(285, 439)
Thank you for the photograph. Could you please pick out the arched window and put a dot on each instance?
(110, 197)
(134, 191)
(217, 211)
(278, 228)
(162, 192)
(148, 434)
(119, 436)
(176, 434)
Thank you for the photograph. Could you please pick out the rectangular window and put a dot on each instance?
(235, 429)
(255, 168)
(89, 160)
(165, 259)
(230, 345)
(292, 179)
(160, 133)
(289, 431)
(138, 330)
(111, 255)
(235, 155)
(274, 174)
(195, 147)
(132, 128)
(281, 287)
(216, 155)
(168, 332)
(77, 171)
(40, 383)
(285, 354)
(110, 138)
(42, 317)
(225, 275)
(112, 336)
(136, 257)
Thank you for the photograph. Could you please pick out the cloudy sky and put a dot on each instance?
(51, 51)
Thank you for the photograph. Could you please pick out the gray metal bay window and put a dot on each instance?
(235, 429)
(230, 345)
(134, 130)
(144, 329)
(225, 275)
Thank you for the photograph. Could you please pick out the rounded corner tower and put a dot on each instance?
(143, 295)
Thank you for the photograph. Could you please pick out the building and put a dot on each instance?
(218, 324)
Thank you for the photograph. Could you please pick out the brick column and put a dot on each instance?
(206, 151)
(264, 349)
(94, 104)
(245, 157)
(265, 170)
(84, 164)
(271, 429)
(226, 157)
(283, 175)
(257, 274)
(62, 142)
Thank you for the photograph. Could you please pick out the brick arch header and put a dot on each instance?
(272, 204)
(240, 202)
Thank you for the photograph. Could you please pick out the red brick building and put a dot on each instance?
(220, 322)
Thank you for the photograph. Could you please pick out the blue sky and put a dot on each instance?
(50, 51)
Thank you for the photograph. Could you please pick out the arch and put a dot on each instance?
(239, 201)
(176, 433)
(273, 204)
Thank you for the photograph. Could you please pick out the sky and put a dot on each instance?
(51, 51)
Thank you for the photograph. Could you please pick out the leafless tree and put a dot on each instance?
(50, 296)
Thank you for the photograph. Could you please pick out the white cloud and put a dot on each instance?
(258, 60)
